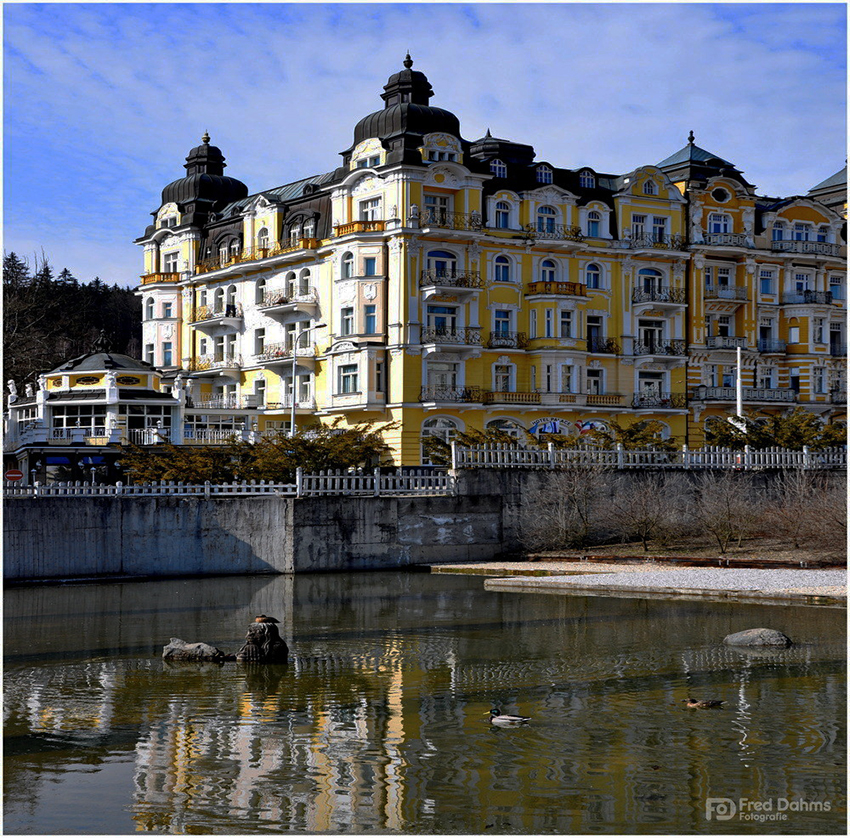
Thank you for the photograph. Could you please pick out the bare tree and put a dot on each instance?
(647, 507)
(793, 496)
(725, 506)
(566, 511)
(826, 516)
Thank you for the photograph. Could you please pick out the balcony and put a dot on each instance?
(283, 301)
(211, 436)
(454, 282)
(818, 298)
(749, 394)
(738, 293)
(507, 340)
(303, 403)
(725, 239)
(816, 248)
(838, 350)
(511, 397)
(659, 347)
(374, 226)
(838, 396)
(654, 241)
(150, 279)
(282, 352)
(725, 342)
(560, 289)
(215, 364)
(665, 401)
(451, 394)
(451, 337)
(447, 220)
(254, 254)
(604, 399)
(663, 295)
(223, 403)
(229, 314)
(771, 346)
(554, 232)
(605, 346)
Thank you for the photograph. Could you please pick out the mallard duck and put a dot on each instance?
(262, 618)
(505, 720)
(703, 704)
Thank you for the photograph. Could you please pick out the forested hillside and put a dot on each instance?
(49, 317)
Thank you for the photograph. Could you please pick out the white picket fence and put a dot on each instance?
(372, 484)
(510, 456)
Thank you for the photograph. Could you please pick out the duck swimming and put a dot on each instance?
(704, 704)
(505, 720)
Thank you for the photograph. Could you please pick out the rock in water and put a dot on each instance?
(757, 637)
(263, 644)
(180, 650)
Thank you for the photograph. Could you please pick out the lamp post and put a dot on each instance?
(294, 362)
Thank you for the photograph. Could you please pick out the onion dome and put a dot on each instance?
(205, 187)
(406, 110)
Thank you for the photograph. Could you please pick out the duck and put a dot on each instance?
(702, 704)
(262, 618)
(505, 720)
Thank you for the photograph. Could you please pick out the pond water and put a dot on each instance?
(378, 723)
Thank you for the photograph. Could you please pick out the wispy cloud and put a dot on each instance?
(103, 101)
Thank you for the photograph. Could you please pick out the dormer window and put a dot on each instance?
(594, 220)
(544, 174)
(778, 231)
(503, 215)
(587, 180)
(498, 168)
(263, 239)
(650, 188)
(310, 229)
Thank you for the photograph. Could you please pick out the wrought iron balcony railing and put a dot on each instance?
(468, 336)
(215, 362)
(820, 248)
(820, 298)
(659, 347)
(725, 292)
(283, 350)
(659, 295)
(203, 313)
(451, 279)
(603, 345)
(725, 342)
(838, 396)
(253, 254)
(654, 241)
(555, 232)
(445, 220)
(662, 400)
(284, 297)
(450, 394)
(726, 239)
(507, 340)
(838, 350)
(771, 345)
(749, 394)
(569, 289)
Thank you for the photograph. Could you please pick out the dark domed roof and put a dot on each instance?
(100, 361)
(406, 109)
(205, 179)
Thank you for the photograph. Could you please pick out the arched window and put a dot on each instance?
(441, 264)
(593, 276)
(594, 223)
(498, 168)
(649, 279)
(290, 284)
(544, 174)
(223, 253)
(149, 309)
(437, 433)
(263, 239)
(347, 265)
(294, 234)
(219, 301)
(260, 292)
(587, 180)
(309, 231)
(650, 187)
(778, 233)
(502, 269)
(546, 219)
(304, 282)
(548, 271)
(503, 215)
(506, 426)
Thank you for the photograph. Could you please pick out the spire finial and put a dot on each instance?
(691, 138)
(408, 61)
(488, 135)
(206, 138)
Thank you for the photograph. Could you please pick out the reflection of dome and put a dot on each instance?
(205, 179)
(406, 109)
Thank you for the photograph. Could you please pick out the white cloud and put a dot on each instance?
(104, 101)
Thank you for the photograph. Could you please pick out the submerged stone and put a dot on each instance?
(757, 637)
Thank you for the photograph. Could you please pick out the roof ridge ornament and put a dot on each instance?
(206, 138)
(408, 61)
(691, 138)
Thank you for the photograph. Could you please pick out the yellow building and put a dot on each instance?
(444, 285)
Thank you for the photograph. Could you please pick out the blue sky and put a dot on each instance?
(102, 102)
